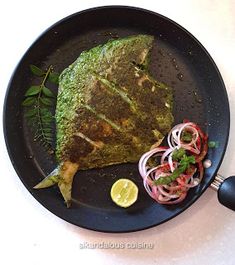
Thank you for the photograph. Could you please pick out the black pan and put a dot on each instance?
(178, 59)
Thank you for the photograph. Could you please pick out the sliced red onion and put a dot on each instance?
(143, 160)
(175, 191)
(167, 194)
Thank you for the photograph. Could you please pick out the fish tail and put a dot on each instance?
(49, 180)
(63, 176)
(67, 172)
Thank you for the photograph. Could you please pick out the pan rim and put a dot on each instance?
(5, 130)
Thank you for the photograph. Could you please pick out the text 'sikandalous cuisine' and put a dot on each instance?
(110, 110)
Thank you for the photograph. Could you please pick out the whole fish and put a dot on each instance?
(110, 110)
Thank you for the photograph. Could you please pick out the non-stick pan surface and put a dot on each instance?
(177, 59)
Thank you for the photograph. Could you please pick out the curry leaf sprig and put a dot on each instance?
(39, 101)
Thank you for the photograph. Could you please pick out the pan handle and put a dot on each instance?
(226, 190)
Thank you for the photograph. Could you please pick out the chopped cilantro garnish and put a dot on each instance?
(186, 137)
(178, 154)
(213, 144)
(184, 163)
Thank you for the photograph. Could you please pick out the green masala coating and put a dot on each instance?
(109, 110)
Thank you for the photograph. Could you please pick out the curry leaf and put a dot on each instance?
(46, 101)
(28, 102)
(53, 77)
(38, 105)
(47, 92)
(36, 70)
(31, 113)
(33, 90)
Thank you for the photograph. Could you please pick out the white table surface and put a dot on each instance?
(29, 234)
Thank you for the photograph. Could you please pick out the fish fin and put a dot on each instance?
(49, 180)
(67, 172)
